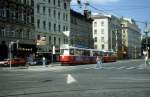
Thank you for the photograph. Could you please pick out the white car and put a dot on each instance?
(2, 63)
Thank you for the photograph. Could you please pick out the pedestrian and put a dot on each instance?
(99, 62)
(146, 55)
(44, 61)
(28, 62)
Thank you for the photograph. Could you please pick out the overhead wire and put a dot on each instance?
(124, 8)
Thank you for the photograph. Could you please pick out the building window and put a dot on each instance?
(54, 2)
(103, 46)
(54, 27)
(49, 10)
(24, 1)
(59, 41)
(19, 33)
(102, 39)
(38, 23)
(58, 3)
(102, 31)
(49, 1)
(54, 40)
(2, 31)
(102, 23)
(95, 24)
(49, 26)
(44, 10)
(50, 40)
(59, 28)
(95, 31)
(64, 28)
(66, 17)
(95, 39)
(59, 15)
(2, 13)
(28, 34)
(95, 46)
(44, 24)
(65, 5)
(54, 12)
(28, 3)
(38, 9)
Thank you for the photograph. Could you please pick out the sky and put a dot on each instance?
(139, 10)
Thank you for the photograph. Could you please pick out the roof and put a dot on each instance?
(79, 15)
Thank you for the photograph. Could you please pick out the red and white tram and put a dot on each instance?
(73, 55)
(109, 56)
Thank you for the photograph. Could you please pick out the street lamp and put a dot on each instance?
(10, 49)
(10, 54)
(116, 32)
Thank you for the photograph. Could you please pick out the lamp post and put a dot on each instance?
(10, 53)
(53, 52)
(146, 31)
(116, 32)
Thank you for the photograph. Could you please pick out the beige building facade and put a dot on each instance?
(131, 35)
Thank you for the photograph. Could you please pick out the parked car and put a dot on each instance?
(14, 62)
(3, 62)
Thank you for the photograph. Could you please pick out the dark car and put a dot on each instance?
(39, 61)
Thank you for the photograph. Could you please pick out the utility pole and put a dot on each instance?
(146, 31)
(85, 4)
(10, 51)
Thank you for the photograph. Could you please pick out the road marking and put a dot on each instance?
(130, 68)
(70, 79)
(121, 67)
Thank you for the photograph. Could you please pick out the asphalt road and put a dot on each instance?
(126, 78)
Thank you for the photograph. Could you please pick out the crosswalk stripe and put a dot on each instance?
(119, 68)
(130, 68)
(140, 68)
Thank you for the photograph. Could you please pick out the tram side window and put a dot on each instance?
(95, 53)
(78, 52)
(71, 51)
(106, 54)
(101, 53)
(64, 52)
(86, 52)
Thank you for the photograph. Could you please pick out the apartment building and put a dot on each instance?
(81, 30)
(16, 24)
(107, 33)
(52, 20)
(131, 35)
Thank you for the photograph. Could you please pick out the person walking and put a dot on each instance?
(146, 55)
(98, 62)
(44, 61)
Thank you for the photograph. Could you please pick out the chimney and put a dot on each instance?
(87, 14)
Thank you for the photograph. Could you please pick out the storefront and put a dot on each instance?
(24, 50)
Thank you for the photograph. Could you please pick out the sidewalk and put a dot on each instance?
(49, 67)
